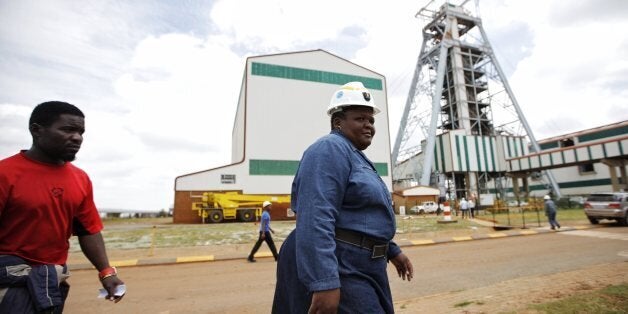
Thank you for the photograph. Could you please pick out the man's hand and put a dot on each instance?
(110, 284)
(404, 266)
(325, 301)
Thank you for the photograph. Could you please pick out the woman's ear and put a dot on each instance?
(336, 122)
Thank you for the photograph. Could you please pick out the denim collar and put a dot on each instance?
(337, 132)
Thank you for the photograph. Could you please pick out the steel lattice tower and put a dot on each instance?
(459, 88)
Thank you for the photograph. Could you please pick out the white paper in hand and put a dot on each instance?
(120, 291)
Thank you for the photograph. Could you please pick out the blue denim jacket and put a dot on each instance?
(336, 186)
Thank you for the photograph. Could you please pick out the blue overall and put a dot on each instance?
(336, 186)
(550, 212)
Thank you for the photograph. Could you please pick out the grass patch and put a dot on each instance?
(142, 233)
(612, 299)
(534, 218)
(467, 303)
(463, 304)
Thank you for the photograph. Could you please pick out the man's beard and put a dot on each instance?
(69, 157)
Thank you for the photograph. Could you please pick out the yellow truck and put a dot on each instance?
(219, 206)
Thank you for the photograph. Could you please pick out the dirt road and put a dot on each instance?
(486, 276)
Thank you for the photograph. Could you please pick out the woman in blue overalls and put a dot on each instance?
(336, 258)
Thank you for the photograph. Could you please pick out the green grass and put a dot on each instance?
(139, 233)
(429, 224)
(612, 299)
(533, 218)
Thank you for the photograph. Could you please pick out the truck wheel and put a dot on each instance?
(593, 221)
(215, 216)
(247, 215)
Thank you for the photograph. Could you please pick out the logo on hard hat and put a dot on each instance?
(339, 94)
(367, 96)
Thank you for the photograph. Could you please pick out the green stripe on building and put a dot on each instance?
(540, 161)
(566, 185)
(477, 153)
(458, 153)
(490, 141)
(289, 167)
(562, 156)
(292, 73)
(485, 155)
(549, 145)
(273, 167)
(382, 168)
(436, 157)
(551, 159)
(603, 134)
(466, 153)
(442, 154)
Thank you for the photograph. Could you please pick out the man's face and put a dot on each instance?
(358, 126)
(62, 139)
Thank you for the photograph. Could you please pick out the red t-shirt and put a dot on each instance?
(41, 206)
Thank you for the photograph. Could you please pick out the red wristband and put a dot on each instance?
(107, 272)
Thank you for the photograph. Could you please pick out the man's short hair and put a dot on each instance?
(48, 112)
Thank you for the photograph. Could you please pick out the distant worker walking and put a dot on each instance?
(464, 208)
(264, 233)
(550, 212)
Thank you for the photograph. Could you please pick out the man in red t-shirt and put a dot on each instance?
(44, 200)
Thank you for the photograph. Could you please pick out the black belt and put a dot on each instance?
(378, 248)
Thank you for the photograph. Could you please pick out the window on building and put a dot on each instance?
(536, 176)
(566, 142)
(586, 168)
(227, 178)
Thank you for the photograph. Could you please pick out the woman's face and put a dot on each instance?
(358, 126)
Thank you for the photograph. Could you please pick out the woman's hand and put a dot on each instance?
(325, 301)
(404, 266)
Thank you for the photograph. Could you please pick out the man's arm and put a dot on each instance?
(93, 246)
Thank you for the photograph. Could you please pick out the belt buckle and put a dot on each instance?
(379, 250)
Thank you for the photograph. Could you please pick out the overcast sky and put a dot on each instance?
(159, 80)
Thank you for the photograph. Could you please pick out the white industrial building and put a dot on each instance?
(594, 171)
(281, 111)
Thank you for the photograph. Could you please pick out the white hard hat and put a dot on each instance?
(351, 94)
(266, 203)
(546, 197)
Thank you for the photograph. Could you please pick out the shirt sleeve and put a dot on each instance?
(320, 185)
(393, 250)
(87, 221)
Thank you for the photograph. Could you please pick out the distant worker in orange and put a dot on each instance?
(264, 233)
